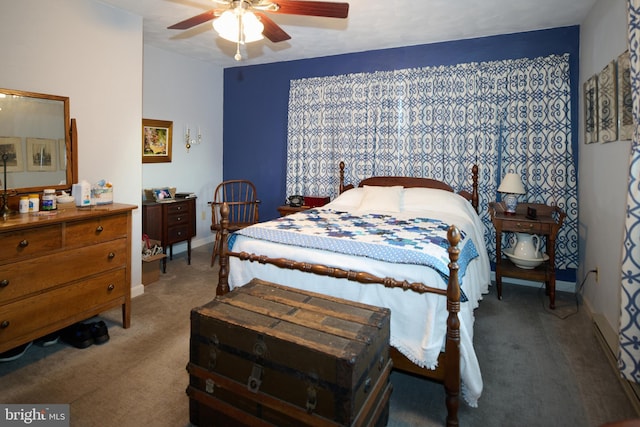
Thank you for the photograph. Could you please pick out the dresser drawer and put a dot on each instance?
(31, 242)
(39, 274)
(95, 230)
(178, 233)
(24, 316)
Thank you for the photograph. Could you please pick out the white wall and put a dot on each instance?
(603, 173)
(186, 91)
(91, 53)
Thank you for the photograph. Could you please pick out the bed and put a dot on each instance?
(432, 297)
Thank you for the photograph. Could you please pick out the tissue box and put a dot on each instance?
(102, 193)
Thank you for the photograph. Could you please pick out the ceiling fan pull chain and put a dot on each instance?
(237, 56)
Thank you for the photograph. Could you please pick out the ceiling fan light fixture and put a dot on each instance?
(239, 26)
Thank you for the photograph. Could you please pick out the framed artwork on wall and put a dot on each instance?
(625, 103)
(156, 141)
(42, 154)
(12, 147)
(607, 104)
(590, 93)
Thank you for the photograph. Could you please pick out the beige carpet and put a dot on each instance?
(538, 370)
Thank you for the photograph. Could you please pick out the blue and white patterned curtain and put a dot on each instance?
(437, 122)
(629, 350)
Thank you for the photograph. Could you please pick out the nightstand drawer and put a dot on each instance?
(532, 227)
(178, 208)
(178, 233)
(178, 219)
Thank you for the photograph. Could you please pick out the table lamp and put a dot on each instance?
(511, 185)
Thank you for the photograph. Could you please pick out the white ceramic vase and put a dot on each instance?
(527, 246)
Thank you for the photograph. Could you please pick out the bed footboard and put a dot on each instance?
(451, 375)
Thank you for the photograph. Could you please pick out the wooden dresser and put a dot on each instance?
(170, 223)
(61, 267)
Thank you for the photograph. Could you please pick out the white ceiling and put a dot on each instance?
(372, 24)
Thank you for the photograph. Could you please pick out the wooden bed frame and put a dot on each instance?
(448, 370)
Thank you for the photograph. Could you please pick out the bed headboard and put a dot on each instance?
(411, 182)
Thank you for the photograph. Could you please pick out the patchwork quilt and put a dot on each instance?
(412, 240)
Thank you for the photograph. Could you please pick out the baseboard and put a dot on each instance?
(137, 290)
(608, 339)
(195, 243)
(561, 286)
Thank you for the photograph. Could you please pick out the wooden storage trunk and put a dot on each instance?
(266, 354)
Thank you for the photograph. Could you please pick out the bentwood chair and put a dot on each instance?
(241, 197)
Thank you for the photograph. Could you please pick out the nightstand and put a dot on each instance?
(546, 224)
(170, 223)
(288, 210)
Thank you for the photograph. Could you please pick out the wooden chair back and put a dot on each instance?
(241, 197)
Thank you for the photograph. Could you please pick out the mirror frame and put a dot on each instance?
(71, 139)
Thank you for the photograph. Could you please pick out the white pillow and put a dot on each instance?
(348, 200)
(376, 199)
(421, 199)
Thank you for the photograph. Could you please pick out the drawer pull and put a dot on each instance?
(23, 243)
(179, 219)
(111, 287)
(5, 324)
(4, 283)
(99, 229)
(112, 255)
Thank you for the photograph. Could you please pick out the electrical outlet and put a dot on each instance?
(204, 217)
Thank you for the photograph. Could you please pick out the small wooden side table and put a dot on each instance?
(170, 223)
(547, 223)
(288, 210)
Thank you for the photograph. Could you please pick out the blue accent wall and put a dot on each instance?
(256, 97)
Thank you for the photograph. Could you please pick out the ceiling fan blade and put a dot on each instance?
(272, 31)
(194, 20)
(312, 8)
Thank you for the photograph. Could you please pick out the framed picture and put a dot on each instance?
(162, 195)
(12, 147)
(607, 104)
(590, 93)
(625, 103)
(156, 141)
(42, 154)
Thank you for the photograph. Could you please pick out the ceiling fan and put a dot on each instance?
(244, 21)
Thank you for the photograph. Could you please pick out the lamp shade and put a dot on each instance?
(239, 26)
(512, 184)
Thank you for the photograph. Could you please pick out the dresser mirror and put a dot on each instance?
(37, 141)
